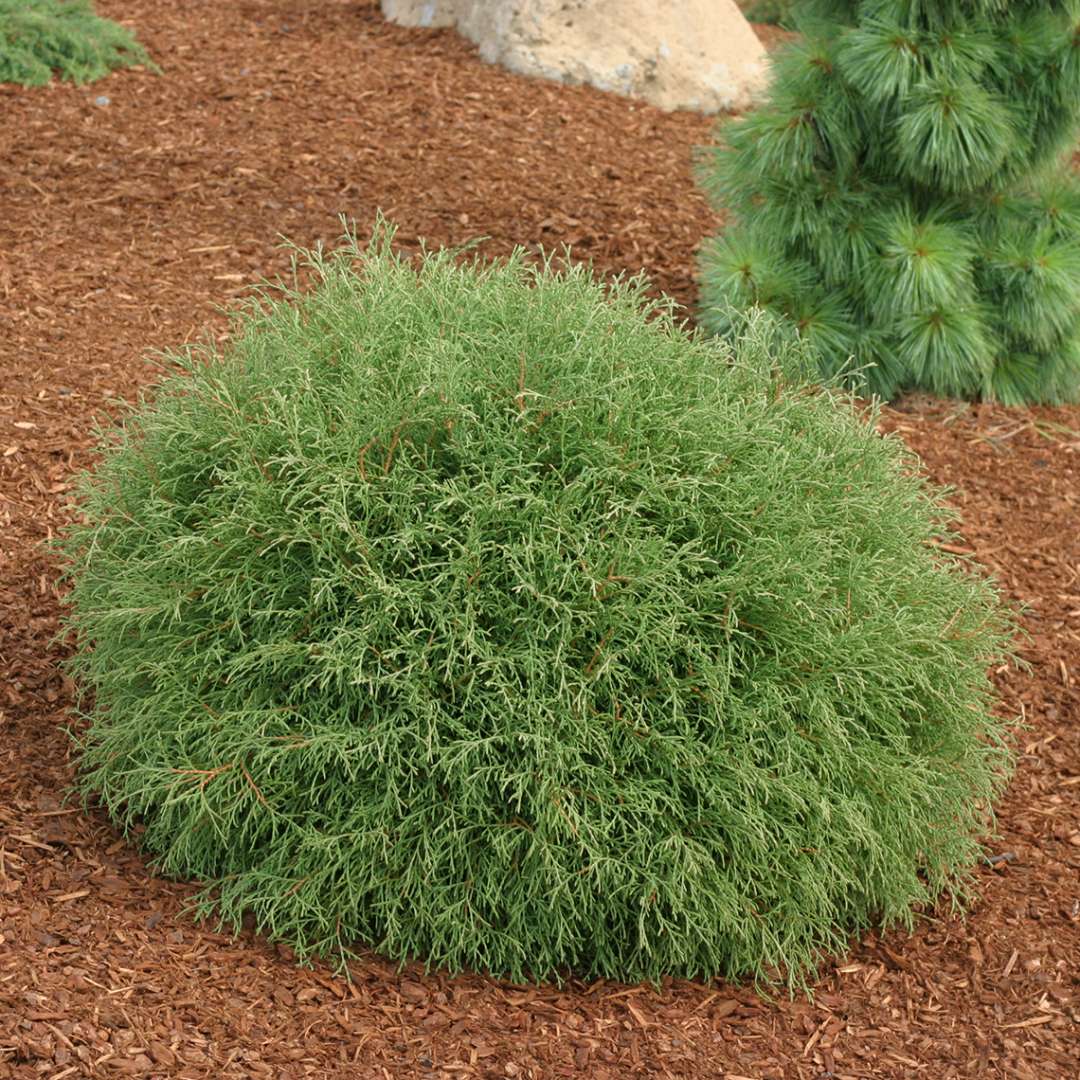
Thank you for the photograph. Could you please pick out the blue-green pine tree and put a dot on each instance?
(903, 195)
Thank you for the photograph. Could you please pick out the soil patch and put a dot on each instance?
(122, 227)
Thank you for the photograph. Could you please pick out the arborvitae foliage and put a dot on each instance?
(41, 37)
(901, 196)
(477, 613)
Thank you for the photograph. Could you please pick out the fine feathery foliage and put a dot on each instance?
(478, 613)
(901, 197)
(41, 37)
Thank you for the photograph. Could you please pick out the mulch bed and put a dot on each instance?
(123, 226)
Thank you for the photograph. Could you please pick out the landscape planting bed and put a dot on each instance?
(129, 210)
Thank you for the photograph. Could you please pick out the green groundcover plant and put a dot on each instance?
(901, 196)
(478, 613)
(767, 11)
(41, 37)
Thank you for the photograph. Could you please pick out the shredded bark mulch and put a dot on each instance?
(131, 209)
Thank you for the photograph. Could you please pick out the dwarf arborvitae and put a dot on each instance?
(40, 38)
(479, 614)
(901, 196)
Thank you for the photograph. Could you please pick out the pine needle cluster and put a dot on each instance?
(41, 37)
(478, 613)
(901, 197)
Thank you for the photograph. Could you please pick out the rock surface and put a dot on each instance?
(677, 54)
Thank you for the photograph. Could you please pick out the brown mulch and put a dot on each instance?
(122, 226)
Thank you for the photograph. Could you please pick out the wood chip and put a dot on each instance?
(1034, 1021)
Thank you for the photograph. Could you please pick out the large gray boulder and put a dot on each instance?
(677, 54)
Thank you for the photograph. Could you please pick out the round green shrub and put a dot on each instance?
(40, 37)
(478, 613)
